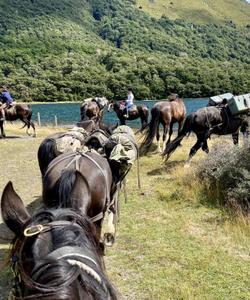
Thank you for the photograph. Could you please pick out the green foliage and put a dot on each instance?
(69, 50)
(227, 174)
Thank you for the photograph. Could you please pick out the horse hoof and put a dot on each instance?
(109, 239)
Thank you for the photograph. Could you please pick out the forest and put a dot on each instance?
(69, 50)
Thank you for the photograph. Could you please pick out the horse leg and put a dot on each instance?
(235, 137)
(144, 119)
(2, 129)
(180, 124)
(165, 131)
(170, 131)
(158, 139)
(122, 121)
(246, 138)
(194, 149)
(205, 147)
(33, 127)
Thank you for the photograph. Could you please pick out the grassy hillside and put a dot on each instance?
(70, 50)
(208, 11)
(172, 242)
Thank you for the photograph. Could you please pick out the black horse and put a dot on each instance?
(55, 254)
(83, 181)
(135, 112)
(21, 112)
(207, 121)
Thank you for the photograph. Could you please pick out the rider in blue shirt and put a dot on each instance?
(6, 100)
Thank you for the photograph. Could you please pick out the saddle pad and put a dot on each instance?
(67, 143)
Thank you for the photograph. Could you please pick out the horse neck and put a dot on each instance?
(179, 100)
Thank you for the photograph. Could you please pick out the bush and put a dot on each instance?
(226, 174)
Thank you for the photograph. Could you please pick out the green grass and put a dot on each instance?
(171, 242)
(199, 11)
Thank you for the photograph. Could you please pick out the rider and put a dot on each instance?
(129, 101)
(6, 100)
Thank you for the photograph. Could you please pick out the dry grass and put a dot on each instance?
(171, 243)
(198, 11)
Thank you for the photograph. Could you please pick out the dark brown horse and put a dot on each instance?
(135, 112)
(92, 108)
(55, 254)
(21, 112)
(166, 113)
(82, 181)
(206, 121)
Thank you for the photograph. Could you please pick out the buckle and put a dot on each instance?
(33, 230)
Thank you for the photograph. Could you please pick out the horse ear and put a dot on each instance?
(13, 210)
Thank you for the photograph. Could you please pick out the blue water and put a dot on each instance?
(69, 113)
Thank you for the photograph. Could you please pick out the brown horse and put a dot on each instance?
(21, 112)
(55, 254)
(92, 108)
(135, 112)
(82, 181)
(166, 113)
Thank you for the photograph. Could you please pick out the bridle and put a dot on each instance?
(74, 255)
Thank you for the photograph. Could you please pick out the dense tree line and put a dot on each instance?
(69, 50)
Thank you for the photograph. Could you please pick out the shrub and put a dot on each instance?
(226, 176)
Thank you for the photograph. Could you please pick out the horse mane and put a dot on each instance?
(52, 278)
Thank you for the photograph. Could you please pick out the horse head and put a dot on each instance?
(101, 101)
(110, 106)
(55, 254)
(173, 97)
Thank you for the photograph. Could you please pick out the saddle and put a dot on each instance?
(10, 108)
(71, 141)
(121, 151)
(132, 109)
(97, 139)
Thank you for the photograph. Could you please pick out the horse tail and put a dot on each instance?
(64, 188)
(151, 129)
(186, 129)
(46, 153)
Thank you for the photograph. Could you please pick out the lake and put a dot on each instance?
(69, 113)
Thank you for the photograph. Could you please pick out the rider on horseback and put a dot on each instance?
(6, 101)
(129, 102)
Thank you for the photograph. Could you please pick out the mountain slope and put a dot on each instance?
(67, 50)
(205, 11)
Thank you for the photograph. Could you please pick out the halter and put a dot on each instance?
(72, 254)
